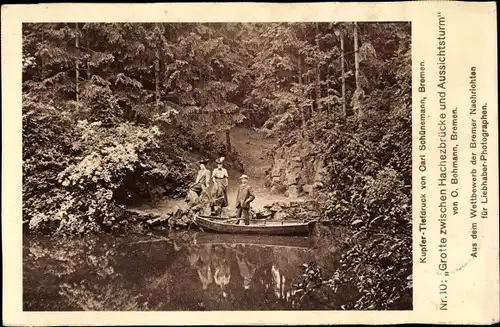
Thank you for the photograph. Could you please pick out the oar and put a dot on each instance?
(229, 220)
(238, 219)
(220, 219)
(213, 217)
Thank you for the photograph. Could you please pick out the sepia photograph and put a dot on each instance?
(217, 166)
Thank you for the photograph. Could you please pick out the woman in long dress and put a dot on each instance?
(220, 178)
(200, 185)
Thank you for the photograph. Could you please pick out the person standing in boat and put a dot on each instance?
(243, 199)
(200, 185)
(220, 178)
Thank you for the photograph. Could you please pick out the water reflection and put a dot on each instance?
(183, 271)
(247, 268)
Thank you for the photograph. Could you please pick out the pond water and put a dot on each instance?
(168, 271)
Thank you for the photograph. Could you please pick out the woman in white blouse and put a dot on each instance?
(220, 178)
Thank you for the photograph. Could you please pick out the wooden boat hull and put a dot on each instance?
(274, 241)
(267, 228)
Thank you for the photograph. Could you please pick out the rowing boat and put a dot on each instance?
(256, 227)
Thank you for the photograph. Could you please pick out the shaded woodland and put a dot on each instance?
(117, 113)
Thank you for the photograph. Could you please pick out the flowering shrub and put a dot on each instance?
(73, 171)
(81, 197)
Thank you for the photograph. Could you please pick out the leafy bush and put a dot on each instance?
(164, 169)
(47, 150)
(81, 199)
(375, 273)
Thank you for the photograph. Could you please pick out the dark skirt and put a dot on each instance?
(220, 195)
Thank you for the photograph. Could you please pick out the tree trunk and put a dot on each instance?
(77, 67)
(228, 141)
(356, 66)
(157, 81)
(356, 55)
(318, 74)
(43, 58)
(344, 110)
(307, 83)
(328, 91)
(88, 61)
(302, 113)
(157, 74)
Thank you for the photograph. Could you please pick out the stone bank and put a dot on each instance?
(297, 169)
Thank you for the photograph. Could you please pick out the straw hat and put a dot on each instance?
(203, 161)
(243, 176)
(219, 160)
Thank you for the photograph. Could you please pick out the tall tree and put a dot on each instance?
(358, 93)
(157, 70)
(342, 69)
(356, 54)
(77, 67)
(318, 70)
(301, 86)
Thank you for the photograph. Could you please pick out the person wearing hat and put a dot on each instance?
(220, 178)
(243, 199)
(201, 183)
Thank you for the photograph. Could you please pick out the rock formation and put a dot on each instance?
(303, 210)
(297, 169)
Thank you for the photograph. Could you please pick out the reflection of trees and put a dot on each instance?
(93, 297)
(96, 273)
(61, 257)
(161, 274)
(58, 269)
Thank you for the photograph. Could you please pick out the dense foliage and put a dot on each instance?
(116, 113)
(369, 160)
